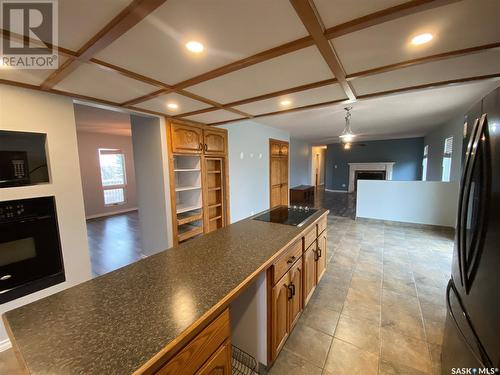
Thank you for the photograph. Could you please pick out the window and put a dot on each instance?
(424, 163)
(448, 151)
(113, 178)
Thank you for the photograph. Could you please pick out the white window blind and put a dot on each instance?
(424, 163)
(447, 154)
(448, 147)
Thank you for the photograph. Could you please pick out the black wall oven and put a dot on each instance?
(30, 249)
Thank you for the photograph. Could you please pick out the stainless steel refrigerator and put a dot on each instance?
(472, 330)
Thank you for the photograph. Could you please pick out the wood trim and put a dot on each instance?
(423, 60)
(372, 95)
(144, 98)
(7, 34)
(429, 86)
(385, 15)
(310, 18)
(130, 74)
(323, 104)
(292, 90)
(124, 21)
(211, 102)
(248, 61)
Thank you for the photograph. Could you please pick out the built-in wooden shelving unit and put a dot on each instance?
(198, 179)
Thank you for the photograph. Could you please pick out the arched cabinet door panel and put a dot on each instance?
(186, 139)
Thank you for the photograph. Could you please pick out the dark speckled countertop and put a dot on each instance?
(115, 323)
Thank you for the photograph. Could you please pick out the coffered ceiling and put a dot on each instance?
(262, 57)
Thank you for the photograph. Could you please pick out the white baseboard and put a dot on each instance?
(337, 191)
(5, 344)
(110, 213)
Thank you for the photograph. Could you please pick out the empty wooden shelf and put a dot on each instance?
(199, 184)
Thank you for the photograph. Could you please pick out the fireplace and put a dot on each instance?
(383, 171)
(367, 175)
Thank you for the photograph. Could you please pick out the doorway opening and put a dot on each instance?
(278, 172)
(123, 186)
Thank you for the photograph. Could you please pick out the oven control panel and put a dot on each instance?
(31, 208)
(10, 211)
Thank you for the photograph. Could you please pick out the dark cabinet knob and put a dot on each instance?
(291, 260)
(290, 291)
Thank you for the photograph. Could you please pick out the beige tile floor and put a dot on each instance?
(380, 307)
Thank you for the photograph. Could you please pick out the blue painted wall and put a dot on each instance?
(406, 153)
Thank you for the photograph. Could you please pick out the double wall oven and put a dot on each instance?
(30, 249)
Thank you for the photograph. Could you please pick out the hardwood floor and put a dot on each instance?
(339, 204)
(114, 242)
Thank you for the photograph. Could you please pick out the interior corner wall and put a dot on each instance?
(33, 111)
(89, 144)
(406, 153)
(149, 141)
(300, 162)
(249, 166)
(435, 140)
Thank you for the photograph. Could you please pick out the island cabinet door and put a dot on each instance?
(321, 256)
(309, 273)
(295, 303)
(219, 363)
(214, 142)
(281, 295)
(186, 138)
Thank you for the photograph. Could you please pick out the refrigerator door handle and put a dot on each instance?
(483, 359)
(479, 152)
(463, 188)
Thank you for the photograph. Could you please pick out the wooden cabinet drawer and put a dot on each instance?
(201, 348)
(287, 259)
(321, 225)
(310, 236)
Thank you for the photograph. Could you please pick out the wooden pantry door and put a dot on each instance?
(278, 172)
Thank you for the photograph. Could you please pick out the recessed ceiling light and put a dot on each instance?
(284, 103)
(172, 105)
(421, 39)
(194, 46)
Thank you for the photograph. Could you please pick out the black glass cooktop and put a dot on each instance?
(287, 215)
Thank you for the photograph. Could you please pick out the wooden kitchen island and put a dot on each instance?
(169, 313)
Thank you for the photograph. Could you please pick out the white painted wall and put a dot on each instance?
(89, 144)
(249, 319)
(421, 202)
(249, 166)
(149, 139)
(32, 111)
(300, 162)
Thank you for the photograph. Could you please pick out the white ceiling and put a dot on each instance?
(104, 121)
(233, 30)
(410, 114)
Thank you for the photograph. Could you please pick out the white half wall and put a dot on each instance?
(32, 111)
(149, 141)
(249, 166)
(420, 202)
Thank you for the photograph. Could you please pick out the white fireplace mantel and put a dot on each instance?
(384, 166)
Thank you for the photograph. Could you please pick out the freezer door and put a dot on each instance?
(461, 345)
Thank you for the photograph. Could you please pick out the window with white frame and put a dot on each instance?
(447, 153)
(113, 176)
(424, 163)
